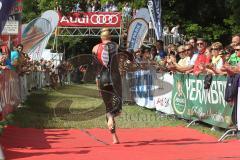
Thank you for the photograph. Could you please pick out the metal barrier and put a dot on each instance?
(183, 96)
(10, 91)
(14, 89)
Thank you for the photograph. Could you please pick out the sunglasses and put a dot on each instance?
(215, 49)
(199, 44)
(188, 49)
(181, 52)
(237, 50)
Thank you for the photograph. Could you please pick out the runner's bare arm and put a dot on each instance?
(94, 50)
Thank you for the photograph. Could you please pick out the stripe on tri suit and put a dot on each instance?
(102, 54)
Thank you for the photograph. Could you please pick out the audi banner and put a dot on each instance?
(91, 19)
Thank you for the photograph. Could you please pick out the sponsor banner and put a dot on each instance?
(53, 18)
(33, 35)
(91, 19)
(155, 10)
(163, 95)
(15, 15)
(11, 28)
(136, 33)
(191, 101)
(5, 10)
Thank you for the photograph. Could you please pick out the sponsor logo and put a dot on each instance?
(104, 19)
(96, 19)
(179, 99)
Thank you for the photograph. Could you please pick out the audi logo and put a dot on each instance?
(104, 19)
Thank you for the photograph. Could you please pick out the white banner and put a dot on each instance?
(11, 28)
(53, 18)
(136, 33)
(163, 96)
(153, 90)
(34, 33)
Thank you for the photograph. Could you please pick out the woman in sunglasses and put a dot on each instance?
(216, 59)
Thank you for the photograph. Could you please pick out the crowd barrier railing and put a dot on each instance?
(182, 95)
(10, 91)
(15, 88)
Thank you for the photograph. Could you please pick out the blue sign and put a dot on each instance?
(135, 35)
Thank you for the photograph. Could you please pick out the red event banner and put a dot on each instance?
(91, 19)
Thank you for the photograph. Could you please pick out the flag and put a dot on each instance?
(155, 10)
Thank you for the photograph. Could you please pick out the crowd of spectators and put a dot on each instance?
(44, 72)
(196, 56)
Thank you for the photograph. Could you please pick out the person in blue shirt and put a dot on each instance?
(15, 56)
(160, 51)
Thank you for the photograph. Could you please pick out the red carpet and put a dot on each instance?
(166, 143)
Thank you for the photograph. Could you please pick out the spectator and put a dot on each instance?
(217, 61)
(235, 40)
(233, 64)
(229, 50)
(166, 30)
(89, 6)
(114, 7)
(175, 30)
(192, 58)
(160, 51)
(15, 56)
(106, 7)
(3, 59)
(126, 12)
(77, 7)
(138, 56)
(235, 57)
(184, 61)
(202, 58)
(193, 42)
(98, 6)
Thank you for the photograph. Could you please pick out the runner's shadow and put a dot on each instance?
(166, 142)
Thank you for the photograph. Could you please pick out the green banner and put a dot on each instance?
(191, 101)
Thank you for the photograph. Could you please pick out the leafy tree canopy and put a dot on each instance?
(211, 19)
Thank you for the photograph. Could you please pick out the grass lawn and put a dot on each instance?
(79, 106)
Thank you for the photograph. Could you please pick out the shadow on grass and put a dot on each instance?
(44, 108)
